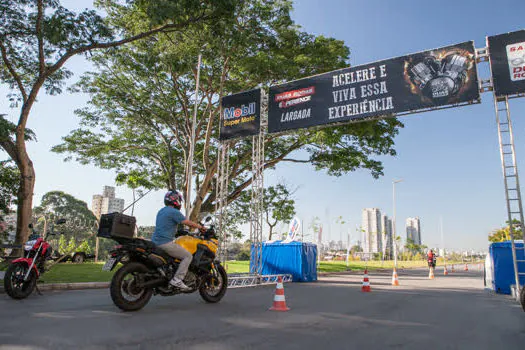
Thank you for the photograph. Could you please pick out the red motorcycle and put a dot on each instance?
(22, 274)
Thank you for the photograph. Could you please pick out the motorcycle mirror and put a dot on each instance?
(208, 219)
(61, 221)
(30, 225)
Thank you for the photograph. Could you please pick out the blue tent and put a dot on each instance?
(296, 258)
(500, 259)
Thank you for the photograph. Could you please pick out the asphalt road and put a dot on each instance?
(448, 312)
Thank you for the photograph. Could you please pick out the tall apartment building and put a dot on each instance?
(372, 230)
(386, 230)
(106, 202)
(413, 227)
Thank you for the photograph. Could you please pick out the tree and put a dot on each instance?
(278, 205)
(80, 223)
(38, 37)
(315, 227)
(414, 248)
(503, 234)
(138, 119)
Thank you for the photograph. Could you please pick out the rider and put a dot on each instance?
(431, 258)
(168, 218)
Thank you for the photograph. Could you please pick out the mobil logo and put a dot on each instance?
(236, 112)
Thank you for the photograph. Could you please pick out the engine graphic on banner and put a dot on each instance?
(440, 75)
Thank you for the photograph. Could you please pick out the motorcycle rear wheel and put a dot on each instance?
(213, 290)
(14, 284)
(126, 295)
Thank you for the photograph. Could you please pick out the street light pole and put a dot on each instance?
(394, 239)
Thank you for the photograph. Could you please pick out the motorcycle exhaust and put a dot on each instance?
(154, 283)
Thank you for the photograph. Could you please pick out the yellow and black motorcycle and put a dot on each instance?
(147, 270)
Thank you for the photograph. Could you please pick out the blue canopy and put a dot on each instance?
(296, 258)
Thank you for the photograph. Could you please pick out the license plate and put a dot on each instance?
(108, 266)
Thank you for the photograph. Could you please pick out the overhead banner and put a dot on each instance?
(435, 78)
(240, 115)
(507, 62)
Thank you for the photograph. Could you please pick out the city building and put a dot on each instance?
(106, 202)
(386, 230)
(413, 227)
(371, 231)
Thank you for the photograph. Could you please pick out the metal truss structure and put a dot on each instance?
(509, 169)
(243, 280)
(223, 171)
(256, 204)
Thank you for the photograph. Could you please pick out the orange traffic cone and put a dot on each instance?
(366, 283)
(453, 269)
(466, 267)
(395, 282)
(431, 274)
(279, 302)
(445, 272)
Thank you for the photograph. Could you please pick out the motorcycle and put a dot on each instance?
(23, 273)
(147, 270)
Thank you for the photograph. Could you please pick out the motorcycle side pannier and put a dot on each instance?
(116, 225)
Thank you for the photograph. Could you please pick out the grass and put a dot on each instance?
(70, 273)
(92, 272)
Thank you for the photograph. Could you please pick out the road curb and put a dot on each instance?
(73, 286)
(69, 286)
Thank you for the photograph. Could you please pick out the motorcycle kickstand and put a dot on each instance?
(38, 290)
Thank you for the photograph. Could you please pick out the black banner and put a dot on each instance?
(240, 115)
(440, 77)
(507, 61)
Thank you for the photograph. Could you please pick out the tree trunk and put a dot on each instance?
(27, 171)
(25, 197)
(271, 232)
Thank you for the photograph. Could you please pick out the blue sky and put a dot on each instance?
(449, 159)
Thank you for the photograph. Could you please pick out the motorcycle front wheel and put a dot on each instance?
(125, 289)
(14, 283)
(214, 287)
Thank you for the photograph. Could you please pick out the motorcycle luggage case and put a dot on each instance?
(116, 225)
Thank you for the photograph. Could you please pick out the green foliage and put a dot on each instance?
(85, 247)
(413, 248)
(9, 182)
(142, 95)
(38, 37)
(62, 245)
(80, 226)
(145, 231)
(503, 234)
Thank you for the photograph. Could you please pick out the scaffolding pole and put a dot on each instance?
(223, 170)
